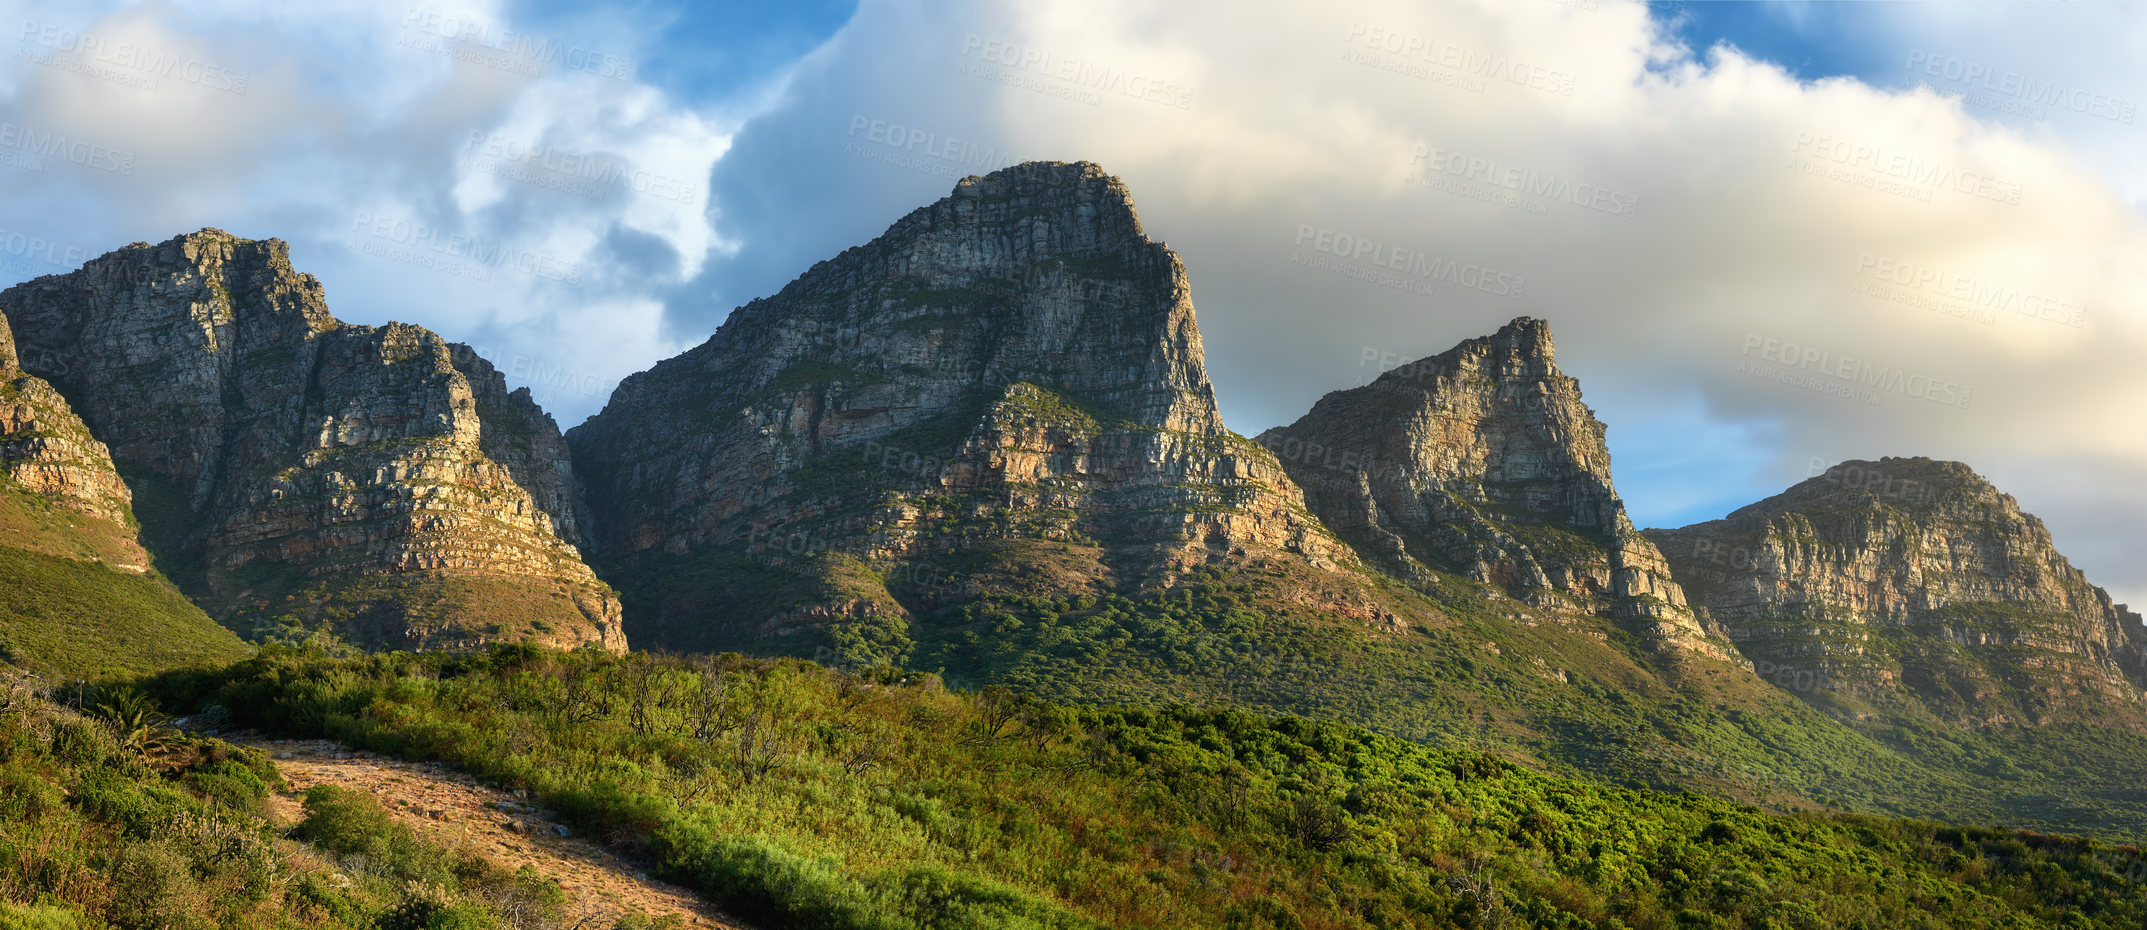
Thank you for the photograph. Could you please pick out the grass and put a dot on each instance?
(798, 795)
(1579, 696)
(65, 612)
(111, 820)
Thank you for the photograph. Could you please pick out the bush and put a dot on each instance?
(25, 797)
(153, 888)
(348, 823)
(228, 783)
(82, 743)
(29, 917)
(761, 881)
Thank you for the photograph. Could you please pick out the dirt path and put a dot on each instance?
(451, 808)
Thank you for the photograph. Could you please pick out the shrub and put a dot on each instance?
(25, 797)
(349, 823)
(153, 888)
(34, 917)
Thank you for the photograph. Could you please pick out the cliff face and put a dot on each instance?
(307, 471)
(1483, 461)
(46, 449)
(1913, 581)
(1017, 363)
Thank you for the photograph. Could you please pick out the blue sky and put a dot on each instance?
(711, 51)
(1809, 40)
(580, 190)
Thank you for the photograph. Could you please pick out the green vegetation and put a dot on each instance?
(1538, 692)
(278, 602)
(65, 612)
(797, 795)
(110, 819)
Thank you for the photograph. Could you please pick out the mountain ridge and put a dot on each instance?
(304, 474)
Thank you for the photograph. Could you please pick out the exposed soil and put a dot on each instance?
(450, 808)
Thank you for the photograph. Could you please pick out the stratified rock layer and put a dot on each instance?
(1483, 461)
(312, 472)
(46, 449)
(1909, 582)
(1016, 363)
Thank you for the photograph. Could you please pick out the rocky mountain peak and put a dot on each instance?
(305, 468)
(1483, 461)
(1915, 580)
(1016, 362)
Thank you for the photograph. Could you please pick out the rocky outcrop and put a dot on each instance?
(1483, 461)
(373, 479)
(47, 450)
(1909, 580)
(1015, 363)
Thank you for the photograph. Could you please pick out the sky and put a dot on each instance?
(1768, 237)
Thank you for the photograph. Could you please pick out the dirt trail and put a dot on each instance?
(451, 808)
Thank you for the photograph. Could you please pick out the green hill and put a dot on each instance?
(796, 795)
(109, 820)
(66, 613)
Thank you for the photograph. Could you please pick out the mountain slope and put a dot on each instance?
(296, 473)
(873, 802)
(78, 597)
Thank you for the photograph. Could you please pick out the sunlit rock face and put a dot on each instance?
(1915, 580)
(378, 481)
(1017, 363)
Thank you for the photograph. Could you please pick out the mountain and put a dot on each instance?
(81, 598)
(1007, 385)
(1483, 461)
(295, 473)
(984, 444)
(1909, 586)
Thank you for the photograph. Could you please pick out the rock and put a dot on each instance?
(561, 829)
(1907, 584)
(1015, 368)
(318, 469)
(1484, 461)
(47, 450)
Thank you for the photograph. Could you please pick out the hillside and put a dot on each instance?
(80, 598)
(801, 796)
(112, 820)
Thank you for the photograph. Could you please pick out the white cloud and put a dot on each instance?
(440, 163)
